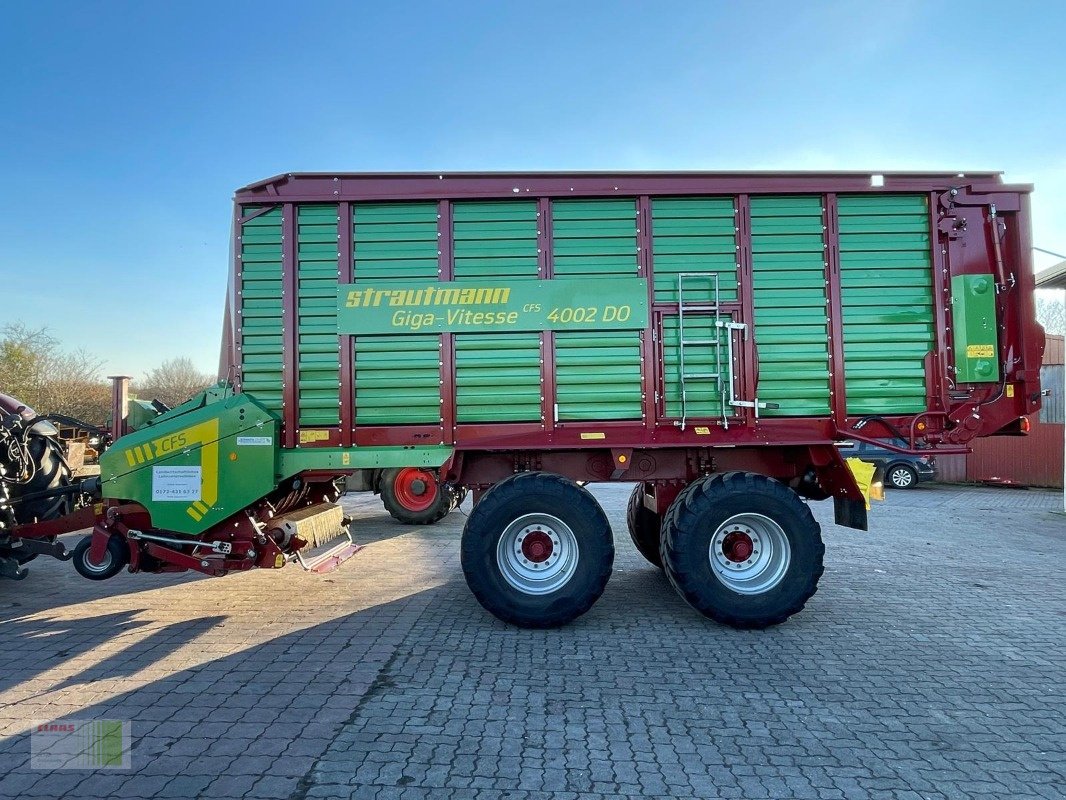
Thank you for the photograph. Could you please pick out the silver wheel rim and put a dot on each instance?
(519, 554)
(767, 553)
(901, 478)
(103, 566)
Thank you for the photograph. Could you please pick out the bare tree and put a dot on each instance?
(173, 382)
(35, 369)
(1050, 311)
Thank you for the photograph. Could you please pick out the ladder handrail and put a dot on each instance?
(726, 389)
(716, 343)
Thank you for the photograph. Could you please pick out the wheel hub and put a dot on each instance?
(537, 554)
(737, 546)
(537, 547)
(416, 489)
(750, 553)
(102, 566)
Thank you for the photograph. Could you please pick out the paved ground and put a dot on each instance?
(931, 664)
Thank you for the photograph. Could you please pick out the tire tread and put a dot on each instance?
(494, 500)
(645, 527)
(698, 498)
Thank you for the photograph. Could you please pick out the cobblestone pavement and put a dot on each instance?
(931, 664)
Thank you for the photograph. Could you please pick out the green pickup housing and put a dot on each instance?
(973, 306)
(205, 460)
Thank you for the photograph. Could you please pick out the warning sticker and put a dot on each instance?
(176, 484)
(314, 435)
(980, 351)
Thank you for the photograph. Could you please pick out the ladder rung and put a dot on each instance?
(699, 341)
(688, 375)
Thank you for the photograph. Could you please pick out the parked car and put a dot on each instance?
(901, 471)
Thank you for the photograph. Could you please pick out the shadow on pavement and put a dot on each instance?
(260, 715)
(153, 648)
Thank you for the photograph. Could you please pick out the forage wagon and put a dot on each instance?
(709, 337)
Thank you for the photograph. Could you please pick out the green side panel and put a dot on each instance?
(495, 239)
(788, 266)
(300, 459)
(703, 395)
(260, 307)
(597, 375)
(196, 465)
(973, 311)
(395, 240)
(397, 380)
(497, 377)
(318, 345)
(694, 234)
(887, 297)
(594, 237)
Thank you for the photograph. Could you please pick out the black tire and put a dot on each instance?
(116, 557)
(701, 511)
(52, 472)
(901, 476)
(645, 527)
(583, 526)
(404, 507)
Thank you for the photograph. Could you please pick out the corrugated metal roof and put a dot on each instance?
(1052, 277)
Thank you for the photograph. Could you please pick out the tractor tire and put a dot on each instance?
(537, 550)
(116, 557)
(645, 527)
(742, 549)
(52, 473)
(900, 476)
(415, 496)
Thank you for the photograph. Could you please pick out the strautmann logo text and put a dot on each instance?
(452, 302)
(492, 304)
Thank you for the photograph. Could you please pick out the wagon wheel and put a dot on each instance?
(414, 496)
(537, 550)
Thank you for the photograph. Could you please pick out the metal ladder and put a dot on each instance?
(725, 389)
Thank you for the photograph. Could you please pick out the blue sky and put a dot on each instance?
(126, 127)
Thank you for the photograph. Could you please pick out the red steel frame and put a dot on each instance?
(952, 419)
